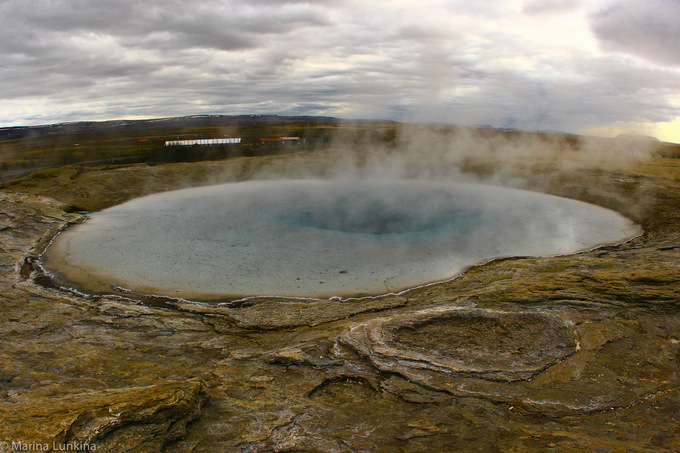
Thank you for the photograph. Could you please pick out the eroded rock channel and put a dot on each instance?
(574, 353)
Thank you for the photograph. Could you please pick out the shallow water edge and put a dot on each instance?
(233, 255)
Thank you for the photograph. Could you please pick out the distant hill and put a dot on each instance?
(27, 148)
(166, 123)
(637, 138)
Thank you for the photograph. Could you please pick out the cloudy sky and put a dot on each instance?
(598, 67)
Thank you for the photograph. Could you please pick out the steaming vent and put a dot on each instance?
(311, 238)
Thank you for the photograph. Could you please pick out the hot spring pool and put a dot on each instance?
(311, 238)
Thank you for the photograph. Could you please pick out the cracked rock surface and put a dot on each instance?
(568, 353)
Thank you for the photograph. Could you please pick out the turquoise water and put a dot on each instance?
(313, 238)
(402, 211)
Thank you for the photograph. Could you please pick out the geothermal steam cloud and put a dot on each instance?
(319, 238)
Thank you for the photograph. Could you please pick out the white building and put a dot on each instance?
(204, 142)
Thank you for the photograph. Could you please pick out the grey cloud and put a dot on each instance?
(609, 91)
(293, 2)
(46, 43)
(648, 29)
(549, 6)
(423, 32)
(169, 24)
(88, 59)
(482, 8)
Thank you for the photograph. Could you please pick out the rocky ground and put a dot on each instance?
(572, 353)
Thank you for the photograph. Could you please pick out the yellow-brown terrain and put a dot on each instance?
(571, 353)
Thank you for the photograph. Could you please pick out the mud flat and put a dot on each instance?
(570, 353)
